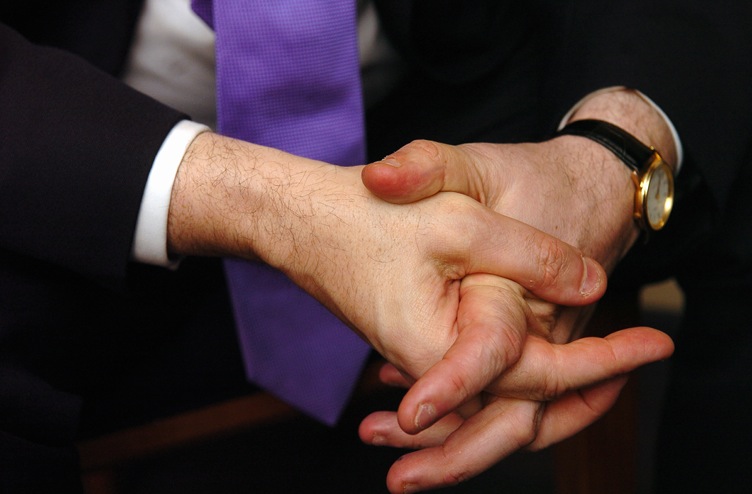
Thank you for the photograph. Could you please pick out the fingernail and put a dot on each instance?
(391, 161)
(591, 280)
(409, 488)
(378, 440)
(425, 416)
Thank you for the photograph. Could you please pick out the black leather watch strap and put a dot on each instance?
(627, 147)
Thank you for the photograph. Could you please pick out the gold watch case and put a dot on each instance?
(654, 194)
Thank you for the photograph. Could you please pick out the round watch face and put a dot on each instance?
(659, 196)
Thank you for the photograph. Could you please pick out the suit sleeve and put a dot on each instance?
(77, 146)
(692, 58)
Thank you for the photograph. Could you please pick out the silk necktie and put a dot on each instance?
(288, 77)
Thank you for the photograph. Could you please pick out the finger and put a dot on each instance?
(419, 170)
(574, 412)
(546, 266)
(390, 375)
(492, 320)
(501, 428)
(382, 429)
(546, 371)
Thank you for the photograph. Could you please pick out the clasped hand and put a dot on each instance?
(394, 273)
(504, 384)
(417, 282)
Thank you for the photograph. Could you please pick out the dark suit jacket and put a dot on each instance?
(89, 340)
(78, 320)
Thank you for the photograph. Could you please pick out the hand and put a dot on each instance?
(391, 272)
(574, 383)
(569, 187)
(547, 394)
(530, 182)
(572, 188)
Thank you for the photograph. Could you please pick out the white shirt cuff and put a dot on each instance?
(672, 129)
(150, 238)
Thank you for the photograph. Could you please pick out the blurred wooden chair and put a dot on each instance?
(603, 458)
(102, 456)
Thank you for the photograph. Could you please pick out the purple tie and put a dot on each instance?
(288, 77)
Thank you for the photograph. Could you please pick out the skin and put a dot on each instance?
(569, 187)
(424, 283)
(395, 273)
(462, 445)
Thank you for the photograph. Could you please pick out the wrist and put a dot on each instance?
(633, 112)
(150, 237)
(602, 195)
(236, 199)
(199, 218)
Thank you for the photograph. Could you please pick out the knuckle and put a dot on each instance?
(551, 257)
(455, 477)
(457, 468)
(523, 437)
(507, 345)
(498, 347)
(526, 437)
(555, 386)
(424, 146)
(526, 431)
(458, 386)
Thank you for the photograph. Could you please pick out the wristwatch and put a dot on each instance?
(653, 177)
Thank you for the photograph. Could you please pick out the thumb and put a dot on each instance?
(419, 170)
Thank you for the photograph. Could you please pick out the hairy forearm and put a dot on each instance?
(313, 221)
(309, 219)
(599, 172)
(630, 111)
(236, 199)
(199, 221)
